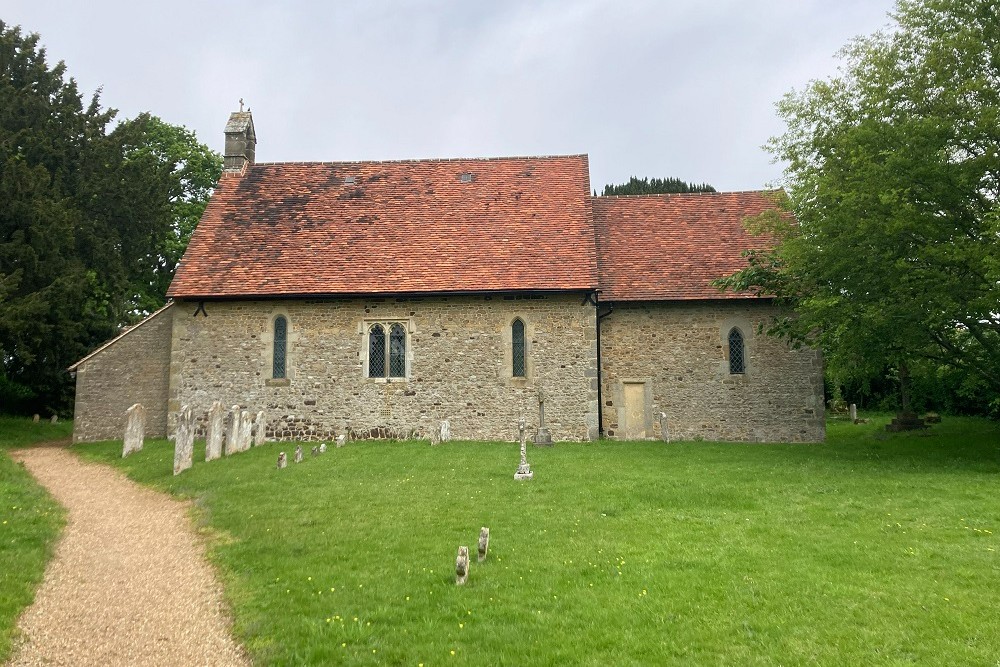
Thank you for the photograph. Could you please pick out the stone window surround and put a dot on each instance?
(746, 329)
(291, 338)
(364, 327)
(507, 339)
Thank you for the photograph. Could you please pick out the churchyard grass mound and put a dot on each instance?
(30, 521)
(870, 549)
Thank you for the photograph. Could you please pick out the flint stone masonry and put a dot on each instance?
(458, 365)
(680, 352)
(133, 368)
(215, 431)
(184, 441)
(135, 429)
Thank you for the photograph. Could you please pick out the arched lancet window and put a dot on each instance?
(737, 352)
(517, 349)
(397, 351)
(280, 347)
(376, 352)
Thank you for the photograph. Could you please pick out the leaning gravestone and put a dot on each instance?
(245, 431)
(232, 429)
(215, 432)
(462, 566)
(184, 441)
(259, 430)
(484, 543)
(298, 453)
(54, 419)
(282, 461)
(135, 429)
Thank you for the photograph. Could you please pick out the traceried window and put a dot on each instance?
(737, 352)
(517, 349)
(280, 347)
(387, 354)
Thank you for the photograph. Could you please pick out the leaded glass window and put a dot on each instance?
(280, 347)
(376, 352)
(517, 348)
(397, 351)
(737, 352)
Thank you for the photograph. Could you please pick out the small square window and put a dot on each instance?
(349, 180)
(466, 177)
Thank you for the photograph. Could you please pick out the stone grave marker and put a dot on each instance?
(215, 431)
(282, 460)
(232, 430)
(322, 448)
(298, 453)
(35, 419)
(135, 429)
(445, 431)
(54, 419)
(315, 451)
(523, 470)
(341, 439)
(484, 543)
(853, 412)
(184, 440)
(664, 431)
(245, 431)
(259, 429)
(542, 436)
(462, 566)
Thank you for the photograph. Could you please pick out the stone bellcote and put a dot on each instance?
(241, 141)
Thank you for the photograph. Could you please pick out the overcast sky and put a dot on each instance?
(645, 87)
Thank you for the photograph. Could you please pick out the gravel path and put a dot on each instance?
(129, 584)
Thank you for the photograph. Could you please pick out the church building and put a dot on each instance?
(377, 299)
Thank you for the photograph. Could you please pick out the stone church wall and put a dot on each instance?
(676, 354)
(458, 365)
(132, 368)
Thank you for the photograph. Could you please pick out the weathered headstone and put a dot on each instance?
(184, 441)
(298, 453)
(215, 431)
(54, 419)
(341, 439)
(484, 543)
(664, 431)
(445, 431)
(36, 419)
(245, 431)
(853, 411)
(232, 430)
(435, 437)
(259, 429)
(462, 566)
(315, 450)
(135, 429)
(523, 470)
(542, 436)
(282, 460)
(322, 448)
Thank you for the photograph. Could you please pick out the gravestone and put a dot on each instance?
(341, 439)
(435, 437)
(259, 430)
(445, 431)
(54, 419)
(315, 451)
(282, 461)
(462, 566)
(215, 431)
(245, 431)
(35, 419)
(232, 430)
(322, 448)
(542, 436)
(184, 441)
(298, 453)
(484, 543)
(135, 429)
(853, 412)
(664, 431)
(523, 470)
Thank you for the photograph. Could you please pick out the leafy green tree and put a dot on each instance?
(92, 220)
(894, 177)
(654, 186)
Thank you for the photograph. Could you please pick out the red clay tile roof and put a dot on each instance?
(401, 227)
(660, 247)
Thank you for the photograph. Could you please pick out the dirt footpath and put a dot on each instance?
(129, 584)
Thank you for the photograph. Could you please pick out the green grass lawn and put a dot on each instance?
(867, 550)
(30, 521)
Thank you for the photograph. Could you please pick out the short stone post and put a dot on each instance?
(282, 460)
(232, 430)
(260, 429)
(298, 453)
(523, 470)
(542, 436)
(462, 566)
(135, 429)
(484, 543)
(245, 431)
(184, 441)
(853, 411)
(215, 431)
